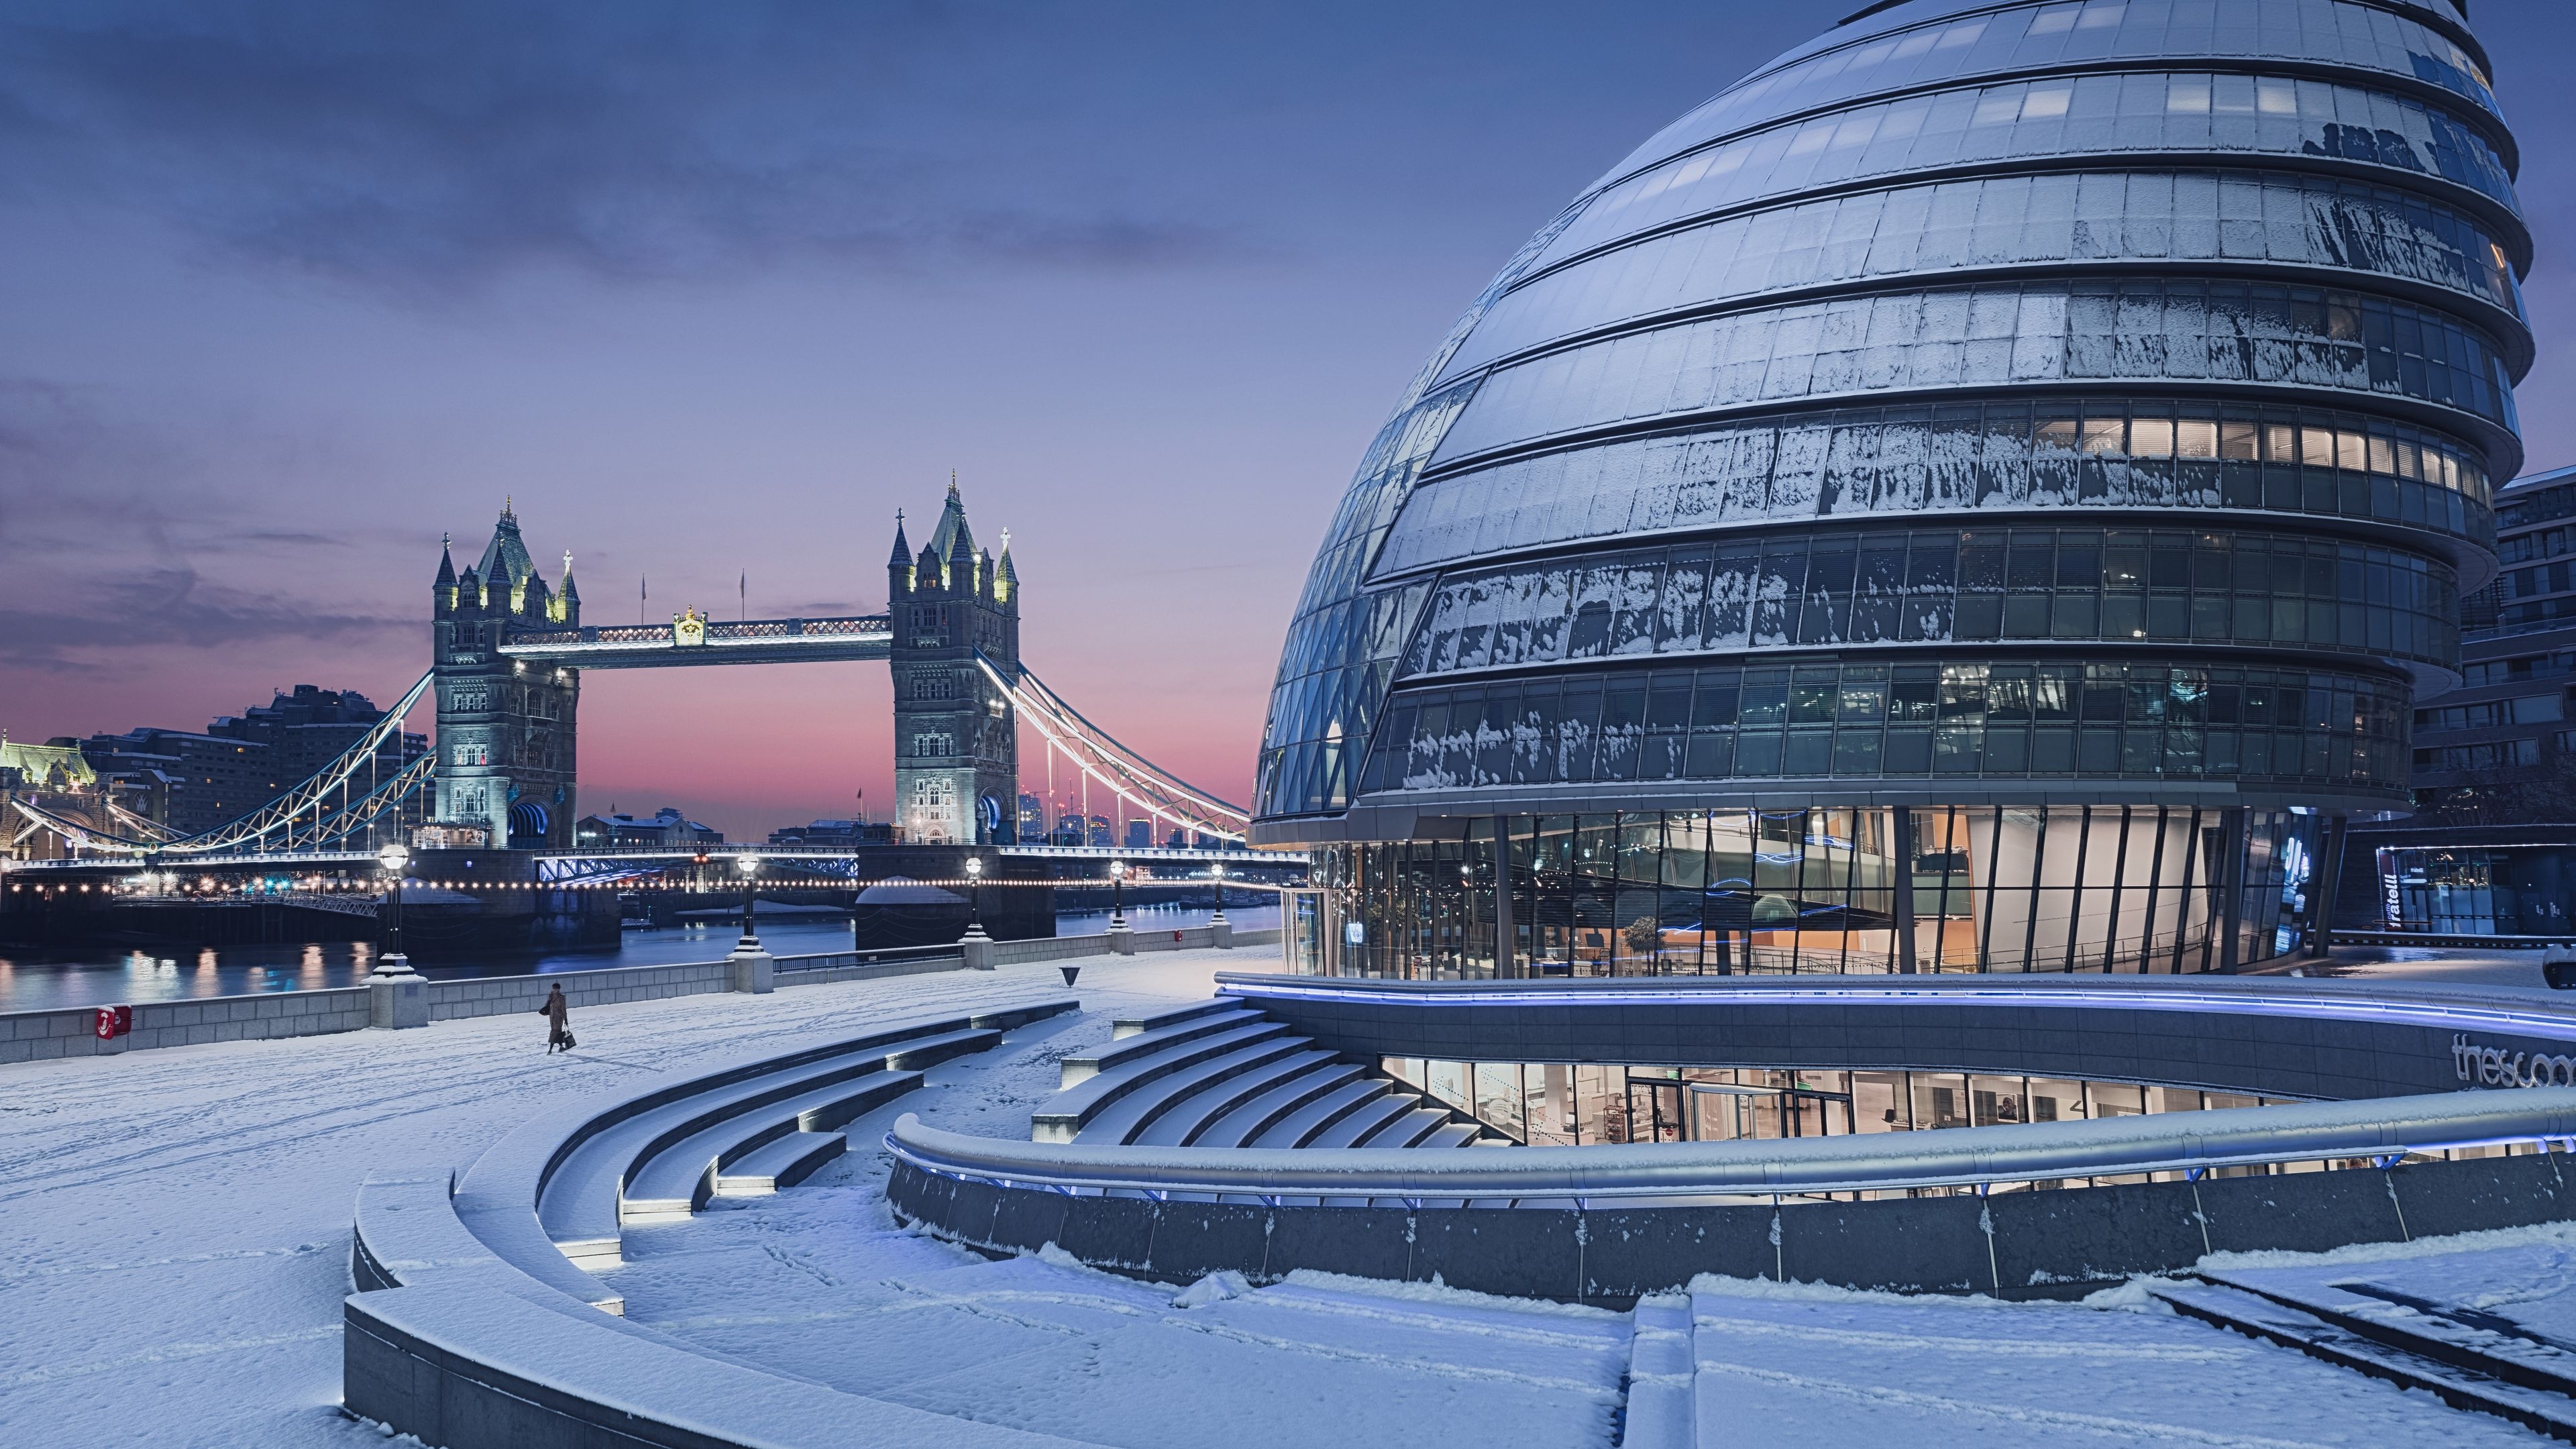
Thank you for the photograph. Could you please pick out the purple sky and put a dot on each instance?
(292, 289)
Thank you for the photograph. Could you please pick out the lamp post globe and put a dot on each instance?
(1118, 895)
(395, 860)
(1216, 872)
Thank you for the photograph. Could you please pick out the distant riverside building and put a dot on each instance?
(832, 835)
(214, 779)
(305, 729)
(665, 827)
(57, 778)
(2491, 849)
(205, 779)
(1983, 492)
(1032, 824)
(2502, 748)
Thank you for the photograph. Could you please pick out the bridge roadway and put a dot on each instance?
(659, 646)
(590, 864)
(593, 864)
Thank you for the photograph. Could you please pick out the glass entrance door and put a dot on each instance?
(1655, 1111)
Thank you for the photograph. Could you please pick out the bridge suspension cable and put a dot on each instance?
(306, 810)
(1099, 756)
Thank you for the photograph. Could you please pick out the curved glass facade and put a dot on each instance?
(2285, 219)
(1866, 463)
(2026, 336)
(1980, 413)
(1920, 45)
(1797, 589)
(2302, 732)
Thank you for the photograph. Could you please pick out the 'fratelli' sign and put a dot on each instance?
(2495, 1067)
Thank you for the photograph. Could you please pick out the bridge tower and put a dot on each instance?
(505, 728)
(956, 770)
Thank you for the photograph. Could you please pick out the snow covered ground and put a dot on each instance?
(818, 1282)
(177, 1237)
(177, 1222)
(1821, 1366)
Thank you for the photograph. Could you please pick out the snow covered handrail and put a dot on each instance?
(2191, 1142)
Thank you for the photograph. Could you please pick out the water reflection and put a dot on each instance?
(43, 978)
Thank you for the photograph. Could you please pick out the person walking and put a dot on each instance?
(558, 1014)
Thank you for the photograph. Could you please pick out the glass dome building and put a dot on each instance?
(1980, 493)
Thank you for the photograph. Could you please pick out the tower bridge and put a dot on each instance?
(508, 650)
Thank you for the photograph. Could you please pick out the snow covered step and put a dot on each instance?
(579, 1205)
(1662, 1367)
(1409, 1130)
(2480, 1342)
(1253, 1118)
(1452, 1134)
(930, 1051)
(1129, 1113)
(1364, 1122)
(1069, 1111)
(780, 1164)
(1186, 1122)
(677, 1180)
(1300, 1126)
(1121, 1028)
(2260, 1317)
(1127, 1051)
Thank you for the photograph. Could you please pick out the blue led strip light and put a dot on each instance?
(2434, 1015)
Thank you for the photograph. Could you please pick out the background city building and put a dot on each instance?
(664, 827)
(2491, 847)
(1982, 492)
(2501, 749)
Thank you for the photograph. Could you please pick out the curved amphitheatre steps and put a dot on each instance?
(472, 1327)
(1222, 1074)
(661, 1162)
(780, 1165)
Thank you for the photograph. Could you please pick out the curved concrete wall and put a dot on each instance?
(2051, 1244)
(2319, 1039)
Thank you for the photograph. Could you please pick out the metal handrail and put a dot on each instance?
(2382, 1129)
(833, 960)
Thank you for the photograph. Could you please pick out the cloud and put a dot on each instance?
(169, 607)
(423, 148)
(122, 534)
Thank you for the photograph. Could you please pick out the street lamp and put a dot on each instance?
(975, 900)
(749, 865)
(1217, 872)
(393, 962)
(1117, 895)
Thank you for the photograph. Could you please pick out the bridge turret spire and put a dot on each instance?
(902, 556)
(570, 598)
(442, 590)
(961, 558)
